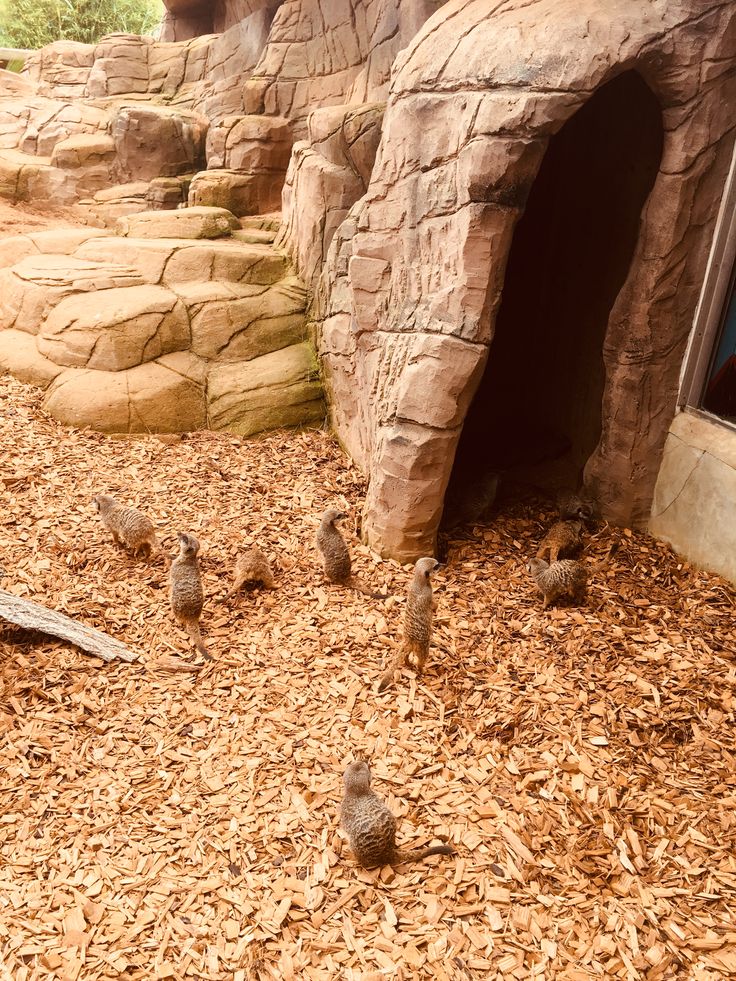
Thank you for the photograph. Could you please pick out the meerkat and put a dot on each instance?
(336, 555)
(566, 577)
(252, 566)
(128, 527)
(371, 826)
(572, 506)
(563, 536)
(417, 620)
(187, 595)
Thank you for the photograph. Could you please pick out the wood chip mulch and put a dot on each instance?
(165, 824)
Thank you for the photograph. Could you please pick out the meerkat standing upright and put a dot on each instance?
(187, 595)
(332, 547)
(128, 526)
(417, 620)
(336, 555)
(371, 826)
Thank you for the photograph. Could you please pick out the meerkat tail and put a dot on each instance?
(365, 590)
(415, 856)
(606, 558)
(195, 636)
(393, 666)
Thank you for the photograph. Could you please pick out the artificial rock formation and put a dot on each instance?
(171, 325)
(411, 294)
(501, 210)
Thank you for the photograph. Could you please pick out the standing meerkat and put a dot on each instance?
(128, 526)
(566, 577)
(252, 566)
(332, 547)
(187, 595)
(417, 620)
(371, 826)
(336, 555)
(563, 536)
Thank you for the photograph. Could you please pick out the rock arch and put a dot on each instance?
(537, 409)
(411, 291)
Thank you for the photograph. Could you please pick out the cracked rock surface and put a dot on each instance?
(153, 334)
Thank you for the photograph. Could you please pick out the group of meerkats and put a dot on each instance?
(370, 825)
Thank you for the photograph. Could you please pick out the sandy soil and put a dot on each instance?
(16, 219)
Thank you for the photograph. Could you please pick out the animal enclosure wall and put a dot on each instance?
(542, 201)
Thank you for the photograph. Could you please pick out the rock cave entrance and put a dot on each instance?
(537, 410)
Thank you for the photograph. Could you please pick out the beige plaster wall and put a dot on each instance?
(695, 496)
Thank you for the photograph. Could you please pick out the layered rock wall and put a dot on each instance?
(414, 278)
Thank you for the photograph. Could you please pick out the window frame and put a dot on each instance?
(720, 278)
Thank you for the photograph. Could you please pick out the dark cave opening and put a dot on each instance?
(540, 396)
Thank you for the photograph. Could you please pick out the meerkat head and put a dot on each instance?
(425, 567)
(535, 566)
(188, 544)
(332, 515)
(101, 501)
(357, 777)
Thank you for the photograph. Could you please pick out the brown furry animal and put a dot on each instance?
(252, 566)
(187, 595)
(332, 547)
(574, 506)
(336, 555)
(417, 620)
(567, 577)
(562, 537)
(128, 527)
(371, 826)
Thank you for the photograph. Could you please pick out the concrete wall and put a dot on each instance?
(694, 507)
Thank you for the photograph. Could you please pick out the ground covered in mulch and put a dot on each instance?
(156, 824)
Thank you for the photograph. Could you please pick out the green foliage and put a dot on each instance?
(33, 23)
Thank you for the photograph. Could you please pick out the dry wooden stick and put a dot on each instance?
(32, 616)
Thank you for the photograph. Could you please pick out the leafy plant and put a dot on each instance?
(34, 23)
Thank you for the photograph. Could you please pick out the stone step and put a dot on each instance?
(31, 288)
(188, 223)
(232, 322)
(62, 241)
(171, 261)
(253, 236)
(115, 329)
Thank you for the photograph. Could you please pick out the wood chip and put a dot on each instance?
(177, 819)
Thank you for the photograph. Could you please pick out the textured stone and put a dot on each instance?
(238, 323)
(20, 356)
(173, 261)
(237, 262)
(83, 151)
(187, 223)
(327, 174)
(474, 100)
(167, 193)
(164, 396)
(115, 329)
(157, 141)
(279, 389)
(242, 194)
(62, 241)
(32, 287)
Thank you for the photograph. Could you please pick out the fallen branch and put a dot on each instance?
(33, 616)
